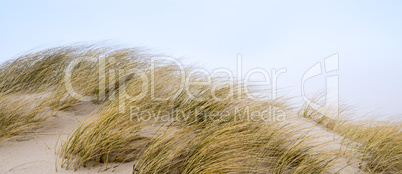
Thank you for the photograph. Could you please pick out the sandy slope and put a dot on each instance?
(36, 154)
(329, 143)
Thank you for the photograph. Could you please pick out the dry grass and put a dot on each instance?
(379, 141)
(19, 116)
(108, 136)
(216, 135)
(240, 147)
(204, 128)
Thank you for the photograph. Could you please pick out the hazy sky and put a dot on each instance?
(269, 34)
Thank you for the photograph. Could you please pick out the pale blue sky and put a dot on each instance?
(269, 34)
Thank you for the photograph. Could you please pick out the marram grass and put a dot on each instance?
(191, 140)
(379, 141)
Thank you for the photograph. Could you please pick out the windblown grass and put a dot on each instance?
(239, 147)
(109, 136)
(45, 72)
(18, 116)
(217, 131)
(203, 127)
(380, 142)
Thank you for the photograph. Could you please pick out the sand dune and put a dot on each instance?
(36, 153)
(46, 128)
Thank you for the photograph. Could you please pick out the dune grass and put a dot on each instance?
(107, 137)
(239, 147)
(19, 116)
(379, 141)
(45, 72)
(206, 126)
(214, 127)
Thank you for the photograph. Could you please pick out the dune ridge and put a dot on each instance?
(83, 109)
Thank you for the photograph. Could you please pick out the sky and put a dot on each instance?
(292, 35)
